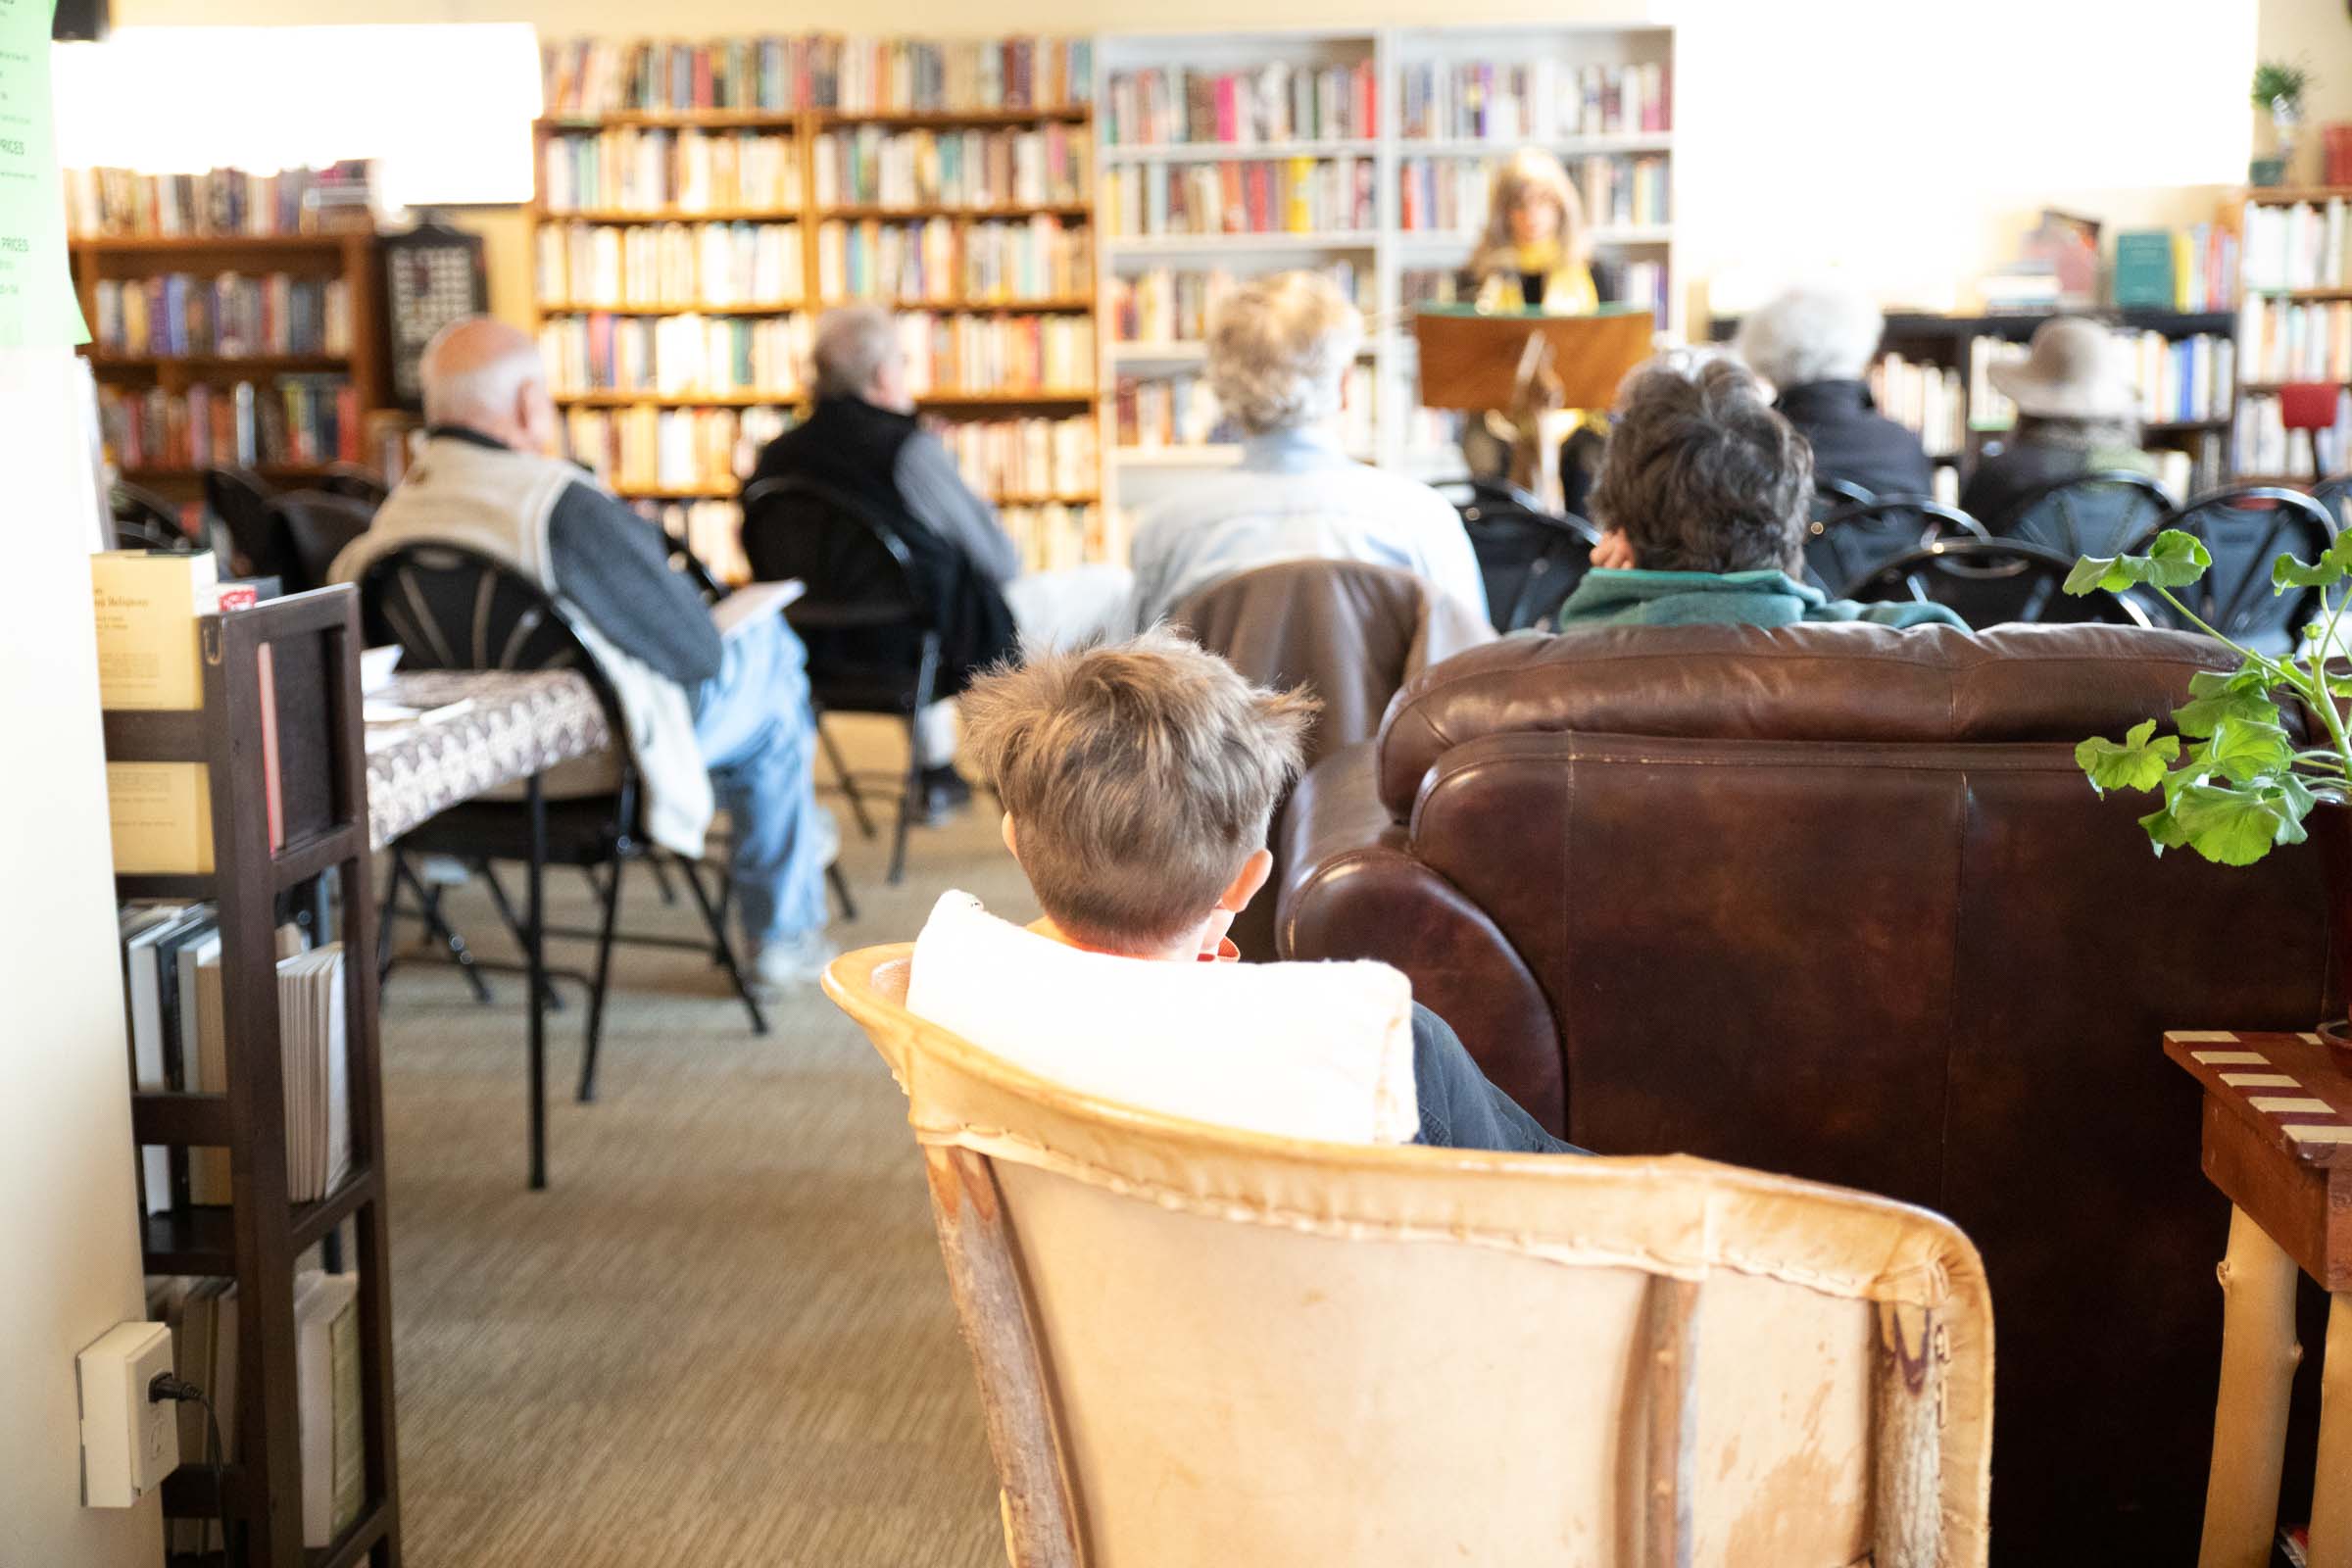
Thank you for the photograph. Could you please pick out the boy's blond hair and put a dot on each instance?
(1139, 776)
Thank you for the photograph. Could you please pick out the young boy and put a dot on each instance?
(1138, 781)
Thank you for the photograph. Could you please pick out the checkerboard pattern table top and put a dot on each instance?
(2293, 1089)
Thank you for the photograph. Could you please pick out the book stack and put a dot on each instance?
(203, 1317)
(2193, 268)
(917, 76)
(675, 355)
(636, 169)
(1042, 259)
(2262, 445)
(1023, 459)
(870, 166)
(228, 316)
(1170, 305)
(225, 203)
(1930, 400)
(586, 78)
(1166, 105)
(291, 421)
(2284, 341)
(2301, 246)
(644, 449)
(1531, 100)
(1053, 535)
(877, 261)
(1012, 353)
(688, 266)
(1242, 196)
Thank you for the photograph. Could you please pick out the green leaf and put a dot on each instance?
(2247, 748)
(2290, 571)
(2197, 717)
(2235, 827)
(2163, 830)
(2138, 763)
(2175, 559)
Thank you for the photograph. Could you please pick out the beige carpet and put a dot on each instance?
(723, 1335)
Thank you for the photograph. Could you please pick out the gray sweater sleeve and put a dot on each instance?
(936, 494)
(614, 565)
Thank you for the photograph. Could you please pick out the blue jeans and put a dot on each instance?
(753, 722)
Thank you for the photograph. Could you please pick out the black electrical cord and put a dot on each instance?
(166, 1386)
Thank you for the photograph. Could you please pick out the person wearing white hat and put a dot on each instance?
(2078, 413)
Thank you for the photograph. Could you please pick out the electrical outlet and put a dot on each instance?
(129, 1442)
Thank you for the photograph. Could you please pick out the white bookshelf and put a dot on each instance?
(1134, 475)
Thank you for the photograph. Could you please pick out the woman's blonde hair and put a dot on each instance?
(1529, 173)
(1279, 348)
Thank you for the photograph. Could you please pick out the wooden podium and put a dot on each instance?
(1528, 365)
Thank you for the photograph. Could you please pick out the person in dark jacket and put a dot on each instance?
(1814, 344)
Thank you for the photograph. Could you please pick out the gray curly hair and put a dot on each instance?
(1813, 332)
(1279, 348)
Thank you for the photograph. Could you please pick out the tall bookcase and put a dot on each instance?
(796, 201)
(2308, 276)
(1387, 258)
(130, 259)
(259, 1238)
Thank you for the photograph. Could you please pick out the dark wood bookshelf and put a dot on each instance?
(260, 1239)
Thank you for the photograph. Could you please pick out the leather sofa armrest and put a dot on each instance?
(1351, 889)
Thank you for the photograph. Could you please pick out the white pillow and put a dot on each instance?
(1321, 1050)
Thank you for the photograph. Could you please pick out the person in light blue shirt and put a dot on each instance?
(1278, 352)
(1705, 491)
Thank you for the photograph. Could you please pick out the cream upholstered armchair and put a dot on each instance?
(1203, 1347)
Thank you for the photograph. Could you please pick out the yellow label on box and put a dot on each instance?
(162, 818)
(146, 607)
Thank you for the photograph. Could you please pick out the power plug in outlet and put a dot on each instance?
(129, 1442)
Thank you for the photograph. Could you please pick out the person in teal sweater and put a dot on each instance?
(1705, 491)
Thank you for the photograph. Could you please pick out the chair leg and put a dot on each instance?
(604, 972)
(438, 927)
(841, 771)
(383, 917)
(723, 945)
(506, 912)
(841, 890)
(910, 793)
(670, 891)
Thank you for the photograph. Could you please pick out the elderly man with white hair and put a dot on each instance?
(1278, 352)
(709, 718)
(1814, 344)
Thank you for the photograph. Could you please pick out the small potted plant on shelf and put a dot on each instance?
(2278, 93)
(2235, 779)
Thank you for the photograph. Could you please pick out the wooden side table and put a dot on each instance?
(2277, 1141)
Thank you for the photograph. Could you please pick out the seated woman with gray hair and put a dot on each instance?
(1814, 344)
(1705, 491)
(1278, 352)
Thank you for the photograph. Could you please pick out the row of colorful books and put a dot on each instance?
(711, 529)
(1164, 105)
(219, 203)
(1928, 399)
(1450, 193)
(2300, 246)
(689, 266)
(2290, 342)
(591, 77)
(289, 421)
(635, 169)
(1027, 459)
(2261, 443)
(1242, 196)
(949, 353)
(873, 167)
(1152, 413)
(675, 355)
(947, 263)
(1531, 100)
(1174, 305)
(1054, 535)
(642, 448)
(2192, 268)
(2183, 380)
(223, 315)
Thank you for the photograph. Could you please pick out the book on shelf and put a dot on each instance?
(680, 265)
(941, 262)
(644, 449)
(1449, 193)
(871, 260)
(634, 169)
(2302, 245)
(2193, 268)
(1053, 535)
(923, 75)
(162, 946)
(1040, 258)
(1242, 196)
(1531, 100)
(1014, 355)
(327, 1405)
(776, 74)
(225, 316)
(2286, 341)
(1152, 412)
(590, 76)
(675, 355)
(290, 420)
(711, 529)
(1033, 457)
(1170, 104)
(224, 202)
(315, 1063)
(2261, 443)
(202, 1314)
(873, 165)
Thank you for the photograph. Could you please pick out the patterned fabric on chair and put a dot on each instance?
(1206, 1348)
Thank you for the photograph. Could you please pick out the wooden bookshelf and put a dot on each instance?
(2290, 195)
(804, 128)
(260, 1239)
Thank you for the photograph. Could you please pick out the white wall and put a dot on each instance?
(68, 1201)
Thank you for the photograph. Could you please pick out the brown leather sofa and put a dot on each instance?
(1834, 901)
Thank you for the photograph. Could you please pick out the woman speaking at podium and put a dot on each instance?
(1534, 255)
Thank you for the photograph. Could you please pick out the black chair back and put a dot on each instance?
(1834, 495)
(359, 483)
(1530, 559)
(2089, 515)
(1844, 546)
(1993, 582)
(2335, 496)
(451, 608)
(240, 498)
(855, 569)
(312, 527)
(2245, 530)
(145, 520)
